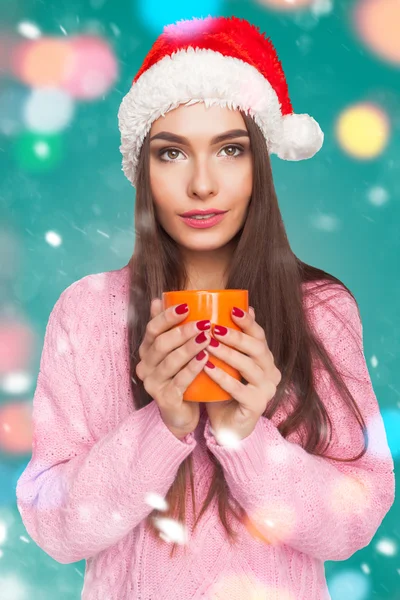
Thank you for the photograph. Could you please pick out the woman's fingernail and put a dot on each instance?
(181, 309)
(203, 325)
(237, 312)
(201, 338)
(220, 330)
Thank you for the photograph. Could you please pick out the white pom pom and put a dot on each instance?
(301, 137)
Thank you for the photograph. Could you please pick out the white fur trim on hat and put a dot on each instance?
(203, 75)
(301, 138)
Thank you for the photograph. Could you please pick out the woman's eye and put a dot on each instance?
(175, 150)
(165, 152)
(235, 148)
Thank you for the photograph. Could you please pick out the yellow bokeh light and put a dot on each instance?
(378, 24)
(363, 130)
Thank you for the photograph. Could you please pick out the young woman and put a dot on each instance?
(310, 477)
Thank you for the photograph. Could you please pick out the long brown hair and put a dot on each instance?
(156, 266)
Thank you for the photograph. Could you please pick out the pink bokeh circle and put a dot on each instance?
(16, 346)
(92, 68)
(378, 25)
(16, 428)
(286, 5)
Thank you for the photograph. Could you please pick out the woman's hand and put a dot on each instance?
(168, 364)
(250, 355)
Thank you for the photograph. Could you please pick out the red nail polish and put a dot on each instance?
(203, 325)
(201, 338)
(237, 312)
(181, 309)
(210, 365)
(220, 330)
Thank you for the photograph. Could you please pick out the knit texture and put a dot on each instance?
(94, 459)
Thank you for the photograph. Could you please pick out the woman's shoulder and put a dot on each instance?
(329, 306)
(90, 294)
(98, 284)
(321, 290)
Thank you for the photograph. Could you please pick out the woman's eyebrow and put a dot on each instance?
(173, 137)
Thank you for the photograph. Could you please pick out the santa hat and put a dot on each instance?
(216, 60)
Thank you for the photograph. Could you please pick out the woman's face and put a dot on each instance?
(200, 173)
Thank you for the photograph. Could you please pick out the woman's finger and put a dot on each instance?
(155, 307)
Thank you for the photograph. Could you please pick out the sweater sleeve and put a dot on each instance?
(318, 506)
(79, 495)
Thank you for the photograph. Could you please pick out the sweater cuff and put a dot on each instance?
(159, 446)
(246, 461)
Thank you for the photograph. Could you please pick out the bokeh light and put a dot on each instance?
(237, 586)
(387, 547)
(29, 30)
(363, 130)
(48, 110)
(37, 152)
(17, 343)
(349, 583)
(16, 382)
(322, 7)
(286, 5)
(155, 14)
(42, 62)
(13, 587)
(378, 24)
(378, 196)
(391, 418)
(92, 68)
(53, 239)
(16, 427)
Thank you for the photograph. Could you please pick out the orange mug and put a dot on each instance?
(215, 305)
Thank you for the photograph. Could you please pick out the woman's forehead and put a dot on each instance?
(198, 119)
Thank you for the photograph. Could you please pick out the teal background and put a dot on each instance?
(88, 201)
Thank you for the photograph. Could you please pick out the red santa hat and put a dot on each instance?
(215, 60)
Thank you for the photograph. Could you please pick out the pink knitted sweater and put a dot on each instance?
(94, 459)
